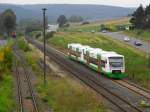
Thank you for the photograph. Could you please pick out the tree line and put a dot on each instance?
(7, 22)
(141, 17)
(62, 20)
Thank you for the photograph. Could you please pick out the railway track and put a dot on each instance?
(26, 97)
(139, 90)
(19, 88)
(122, 104)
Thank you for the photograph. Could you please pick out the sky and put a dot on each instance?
(123, 3)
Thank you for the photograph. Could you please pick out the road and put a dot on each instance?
(120, 36)
(3, 42)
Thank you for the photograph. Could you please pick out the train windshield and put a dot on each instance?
(116, 61)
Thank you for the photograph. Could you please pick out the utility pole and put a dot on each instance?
(44, 27)
(149, 60)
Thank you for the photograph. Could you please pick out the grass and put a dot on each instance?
(63, 94)
(84, 28)
(140, 34)
(136, 61)
(63, 97)
(6, 93)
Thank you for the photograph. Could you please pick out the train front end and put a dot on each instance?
(115, 66)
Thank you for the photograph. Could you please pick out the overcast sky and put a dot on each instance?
(124, 3)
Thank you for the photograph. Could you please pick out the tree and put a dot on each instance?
(102, 27)
(74, 18)
(0, 24)
(147, 17)
(138, 17)
(61, 20)
(8, 19)
(30, 24)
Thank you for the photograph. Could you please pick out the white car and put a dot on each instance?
(104, 31)
(92, 31)
(126, 39)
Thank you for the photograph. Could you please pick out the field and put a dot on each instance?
(140, 34)
(134, 58)
(96, 25)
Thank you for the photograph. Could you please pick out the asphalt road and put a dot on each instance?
(120, 36)
(3, 42)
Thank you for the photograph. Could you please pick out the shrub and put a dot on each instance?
(38, 35)
(84, 23)
(66, 25)
(5, 58)
(23, 45)
(8, 57)
(49, 34)
(7, 103)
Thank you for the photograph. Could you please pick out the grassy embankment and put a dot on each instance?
(140, 34)
(62, 94)
(136, 61)
(7, 100)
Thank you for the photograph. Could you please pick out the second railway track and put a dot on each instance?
(26, 97)
(139, 90)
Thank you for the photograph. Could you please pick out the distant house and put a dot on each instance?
(52, 28)
(129, 27)
(124, 27)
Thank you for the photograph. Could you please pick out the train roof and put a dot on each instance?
(95, 51)
(111, 55)
(84, 47)
(75, 45)
(90, 49)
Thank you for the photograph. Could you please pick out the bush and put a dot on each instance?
(8, 57)
(86, 22)
(5, 58)
(23, 45)
(50, 34)
(66, 25)
(7, 103)
(38, 35)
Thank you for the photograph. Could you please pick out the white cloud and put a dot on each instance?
(124, 3)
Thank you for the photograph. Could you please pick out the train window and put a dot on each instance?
(116, 61)
(93, 61)
(103, 63)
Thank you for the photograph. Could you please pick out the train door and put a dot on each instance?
(103, 65)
